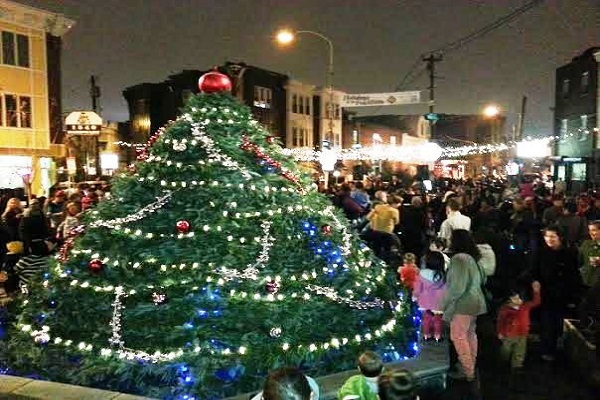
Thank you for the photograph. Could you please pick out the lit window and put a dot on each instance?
(585, 81)
(262, 97)
(565, 87)
(393, 140)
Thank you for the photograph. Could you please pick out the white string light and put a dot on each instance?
(116, 338)
(138, 215)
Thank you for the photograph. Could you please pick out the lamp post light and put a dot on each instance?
(327, 159)
(285, 37)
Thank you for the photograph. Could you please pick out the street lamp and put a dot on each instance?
(491, 111)
(285, 37)
(327, 159)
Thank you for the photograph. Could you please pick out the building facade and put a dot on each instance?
(152, 105)
(30, 100)
(300, 115)
(577, 146)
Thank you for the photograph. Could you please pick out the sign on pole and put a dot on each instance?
(381, 99)
(83, 123)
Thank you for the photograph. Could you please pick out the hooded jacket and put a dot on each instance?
(429, 294)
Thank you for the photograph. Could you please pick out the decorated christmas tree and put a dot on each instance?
(214, 261)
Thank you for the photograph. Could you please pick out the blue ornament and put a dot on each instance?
(231, 374)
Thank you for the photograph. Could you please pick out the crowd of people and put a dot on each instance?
(470, 248)
(463, 249)
(31, 229)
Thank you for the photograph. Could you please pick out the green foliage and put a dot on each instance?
(211, 320)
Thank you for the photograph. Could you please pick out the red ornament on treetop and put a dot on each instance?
(214, 81)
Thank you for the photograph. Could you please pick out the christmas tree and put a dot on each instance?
(214, 261)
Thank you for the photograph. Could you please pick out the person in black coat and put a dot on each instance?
(556, 267)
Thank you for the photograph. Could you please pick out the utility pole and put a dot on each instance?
(431, 60)
(91, 145)
(521, 121)
(94, 93)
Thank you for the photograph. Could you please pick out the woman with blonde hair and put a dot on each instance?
(11, 218)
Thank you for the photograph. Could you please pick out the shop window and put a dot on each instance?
(8, 48)
(578, 172)
(23, 51)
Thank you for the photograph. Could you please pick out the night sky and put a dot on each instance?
(127, 42)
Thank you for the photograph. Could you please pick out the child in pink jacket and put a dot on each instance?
(429, 290)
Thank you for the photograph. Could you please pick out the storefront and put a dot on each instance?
(17, 171)
(575, 172)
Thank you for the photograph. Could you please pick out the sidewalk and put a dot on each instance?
(541, 381)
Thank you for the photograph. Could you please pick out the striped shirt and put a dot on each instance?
(29, 266)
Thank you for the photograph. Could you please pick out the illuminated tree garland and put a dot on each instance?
(138, 215)
(259, 153)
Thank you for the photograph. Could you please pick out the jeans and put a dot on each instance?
(513, 350)
(464, 338)
(551, 328)
(432, 324)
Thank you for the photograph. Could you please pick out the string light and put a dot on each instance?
(137, 216)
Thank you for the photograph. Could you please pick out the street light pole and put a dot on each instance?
(285, 37)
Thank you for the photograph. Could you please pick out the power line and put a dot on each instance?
(487, 29)
(469, 38)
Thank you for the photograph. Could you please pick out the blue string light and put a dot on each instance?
(326, 250)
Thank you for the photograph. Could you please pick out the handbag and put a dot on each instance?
(487, 294)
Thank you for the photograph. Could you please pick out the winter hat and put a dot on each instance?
(14, 247)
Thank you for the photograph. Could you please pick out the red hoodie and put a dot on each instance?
(514, 322)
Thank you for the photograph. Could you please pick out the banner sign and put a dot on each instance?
(381, 99)
(83, 123)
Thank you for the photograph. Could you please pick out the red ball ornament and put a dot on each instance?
(183, 226)
(214, 81)
(326, 229)
(96, 265)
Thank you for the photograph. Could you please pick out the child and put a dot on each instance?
(72, 216)
(513, 326)
(409, 271)
(9, 280)
(364, 386)
(429, 291)
(439, 245)
(398, 385)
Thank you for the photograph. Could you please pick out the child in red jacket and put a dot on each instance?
(513, 326)
(409, 272)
